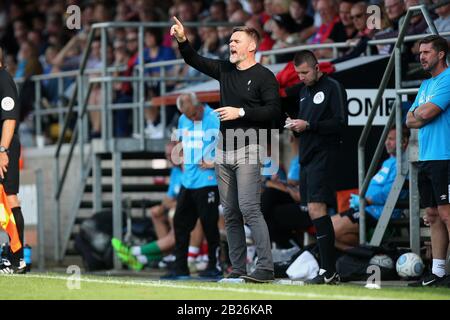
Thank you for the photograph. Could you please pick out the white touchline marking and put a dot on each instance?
(168, 284)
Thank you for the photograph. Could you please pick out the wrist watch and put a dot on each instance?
(3, 149)
(241, 112)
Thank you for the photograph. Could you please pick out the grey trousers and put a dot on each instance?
(239, 183)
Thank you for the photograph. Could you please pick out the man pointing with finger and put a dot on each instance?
(250, 101)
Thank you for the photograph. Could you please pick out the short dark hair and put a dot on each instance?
(251, 32)
(157, 34)
(406, 133)
(305, 56)
(439, 43)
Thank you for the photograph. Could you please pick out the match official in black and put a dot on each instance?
(322, 117)
(9, 161)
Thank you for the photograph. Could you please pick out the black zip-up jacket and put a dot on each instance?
(254, 89)
(324, 106)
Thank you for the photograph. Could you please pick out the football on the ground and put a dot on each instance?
(409, 265)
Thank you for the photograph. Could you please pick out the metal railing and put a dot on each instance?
(39, 112)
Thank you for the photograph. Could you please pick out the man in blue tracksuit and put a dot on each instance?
(346, 224)
(198, 130)
(430, 113)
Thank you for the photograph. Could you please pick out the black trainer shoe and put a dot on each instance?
(325, 277)
(6, 267)
(429, 280)
(211, 273)
(22, 268)
(259, 276)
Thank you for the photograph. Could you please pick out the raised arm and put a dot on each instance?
(59, 59)
(210, 67)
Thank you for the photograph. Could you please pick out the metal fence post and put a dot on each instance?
(104, 111)
(135, 102)
(162, 109)
(59, 104)
(56, 214)
(414, 208)
(117, 201)
(141, 86)
(41, 219)
(37, 112)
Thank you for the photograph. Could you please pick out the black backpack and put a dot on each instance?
(352, 266)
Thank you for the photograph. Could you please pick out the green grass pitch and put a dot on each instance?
(52, 286)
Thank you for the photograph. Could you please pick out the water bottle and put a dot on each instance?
(27, 256)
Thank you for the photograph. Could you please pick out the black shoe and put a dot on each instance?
(325, 277)
(429, 280)
(6, 267)
(259, 276)
(22, 268)
(211, 273)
